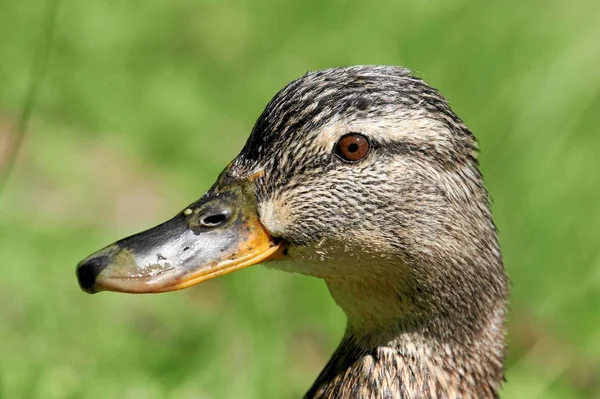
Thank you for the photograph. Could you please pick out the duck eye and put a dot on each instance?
(352, 147)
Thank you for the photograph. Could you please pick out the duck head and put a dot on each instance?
(362, 176)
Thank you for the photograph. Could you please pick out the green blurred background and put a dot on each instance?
(146, 101)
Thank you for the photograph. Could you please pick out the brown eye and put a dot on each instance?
(352, 147)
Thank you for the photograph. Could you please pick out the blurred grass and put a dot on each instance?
(146, 101)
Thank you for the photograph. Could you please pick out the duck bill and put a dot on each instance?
(216, 235)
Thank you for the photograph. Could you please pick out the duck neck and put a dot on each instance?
(401, 343)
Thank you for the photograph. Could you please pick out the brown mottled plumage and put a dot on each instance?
(402, 234)
(404, 238)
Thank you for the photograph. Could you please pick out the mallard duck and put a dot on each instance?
(364, 177)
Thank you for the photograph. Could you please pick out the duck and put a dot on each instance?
(364, 177)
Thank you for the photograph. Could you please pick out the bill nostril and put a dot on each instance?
(214, 219)
(88, 270)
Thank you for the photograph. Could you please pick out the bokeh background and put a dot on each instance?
(146, 101)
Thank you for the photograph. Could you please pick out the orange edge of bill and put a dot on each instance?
(240, 263)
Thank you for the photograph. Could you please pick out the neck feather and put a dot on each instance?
(410, 367)
(398, 347)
